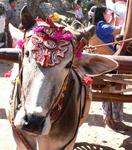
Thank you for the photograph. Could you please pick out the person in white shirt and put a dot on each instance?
(113, 111)
(78, 11)
(119, 7)
(11, 13)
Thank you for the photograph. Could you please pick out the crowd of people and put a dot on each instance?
(109, 19)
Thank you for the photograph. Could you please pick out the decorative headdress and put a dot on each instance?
(50, 42)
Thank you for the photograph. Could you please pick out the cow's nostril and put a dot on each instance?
(26, 119)
(33, 123)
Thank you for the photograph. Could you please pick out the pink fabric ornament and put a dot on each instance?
(68, 36)
(38, 29)
(58, 35)
(50, 43)
(20, 44)
(7, 74)
(87, 80)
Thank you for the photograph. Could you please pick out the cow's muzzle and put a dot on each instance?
(33, 123)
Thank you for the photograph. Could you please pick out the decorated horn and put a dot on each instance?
(9, 54)
(82, 38)
(86, 33)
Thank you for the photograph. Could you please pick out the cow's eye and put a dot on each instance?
(69, 65)
(27, 53)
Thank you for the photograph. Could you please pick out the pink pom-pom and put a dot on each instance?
(7, 74)
(38, 29)
(58, 35)
(87, 80)
(68, 36)
(20, 43)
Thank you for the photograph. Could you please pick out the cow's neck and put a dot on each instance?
(66, 127)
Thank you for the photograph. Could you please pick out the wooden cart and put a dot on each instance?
(117, 86)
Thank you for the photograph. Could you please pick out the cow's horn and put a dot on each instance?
(86, 33)
(27, 21)
(9, 54)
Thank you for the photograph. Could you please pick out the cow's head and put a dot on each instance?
(48, 59)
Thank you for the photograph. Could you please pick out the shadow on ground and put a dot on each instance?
(127, 117)
(127, 143)
(5, 67)
(95, 120)
(2, 114)
(87, 146)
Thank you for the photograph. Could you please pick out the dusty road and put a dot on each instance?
(92, 135)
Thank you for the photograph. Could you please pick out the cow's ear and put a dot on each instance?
(95, 65)
(27, 20)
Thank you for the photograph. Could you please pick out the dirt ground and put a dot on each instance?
(91, 136)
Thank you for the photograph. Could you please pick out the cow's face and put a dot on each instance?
(48, 55)
(47, 62)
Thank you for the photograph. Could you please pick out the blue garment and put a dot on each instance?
(104, 32)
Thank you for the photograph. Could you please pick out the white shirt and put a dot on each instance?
(118, 8)
(78, 12)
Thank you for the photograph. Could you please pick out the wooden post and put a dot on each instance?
(107, 97)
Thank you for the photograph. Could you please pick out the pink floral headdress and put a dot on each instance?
(50, 43)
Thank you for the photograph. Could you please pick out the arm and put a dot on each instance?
(117, 30)
(109, 29)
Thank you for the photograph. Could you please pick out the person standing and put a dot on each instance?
(115, 110)
(11, 13)
(102, 18)
(119, 7)
(2, 24)
(2, 9)
(78, 11)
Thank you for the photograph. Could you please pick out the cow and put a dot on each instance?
(52, 84)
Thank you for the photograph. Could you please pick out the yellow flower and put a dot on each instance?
(18, 80)
(56, 17)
